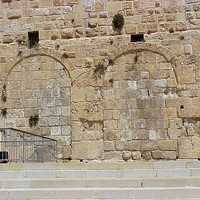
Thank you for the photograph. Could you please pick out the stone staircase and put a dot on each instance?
(161, 180)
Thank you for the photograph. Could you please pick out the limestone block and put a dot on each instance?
(55, 131)
(66, 130)
(66, 151)
(146, 155)
(186, 149)
(21, 122)
(167, 155)
(175, 133)
(14, 14)
(103, 14)
(6, 1)
(196, 146)
(170, 113)
(188, 49)
(113, 155)
(109, 146)
(111, 124)
(76, 131)
(189, 107)
(92, 135)
(167, 145)
(114, 6)
(91, 32)
(149, 145)
(140, 134)
(133, 145)
(7, 39)
(67, 34)
(130, 29)
(153, 135)
(30, 103)
(126, 155)
(152, 27)
(136, 155)
(187, 75)
(119, 145)
(40, 12)
(78, 94)
(88, 150)
(111, 134)
(58, 2)
(53, 121)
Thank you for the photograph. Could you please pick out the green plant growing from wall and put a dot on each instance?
(3, 94)
(4, 112)
(99, 70)
(118, 22)
(33, 120)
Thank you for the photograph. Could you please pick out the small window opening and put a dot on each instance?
(182, 107)
(33, 39)
(148, 93)
(137, 38)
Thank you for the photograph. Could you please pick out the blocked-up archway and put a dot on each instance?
(38, 92)
(138, 103)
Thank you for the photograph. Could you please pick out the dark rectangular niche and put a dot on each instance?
(33, 39)
(137, 38)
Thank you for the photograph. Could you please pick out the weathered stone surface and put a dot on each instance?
(167, 155)
(88, 150)
(149, 146)
(7, 39)
(113, 155)
(101, 91)
(146, 155)
(67, 34)
(14, 14)
(126, 155)
(186, 149)
(66, 151)
(133, 146)
(109, 146)
(136, 155)
(167, 145)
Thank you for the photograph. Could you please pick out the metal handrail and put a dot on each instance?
(23, 146)
(28, 133)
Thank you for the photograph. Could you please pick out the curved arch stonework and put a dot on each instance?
(57, 56)
(138, 89)
(39, 85)
(167, 54)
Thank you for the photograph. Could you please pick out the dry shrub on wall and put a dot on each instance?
(118, 22)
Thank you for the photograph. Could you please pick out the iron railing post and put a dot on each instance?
(23, 148)
(55, 151)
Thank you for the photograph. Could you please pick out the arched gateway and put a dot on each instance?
(37, 98)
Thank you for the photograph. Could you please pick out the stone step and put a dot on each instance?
(101, 193)
(90, 174)
(114, 165)
(99, 183)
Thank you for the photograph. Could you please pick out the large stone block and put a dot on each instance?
(189, 107)
(87, 150)
(133, 145)
(189, 147)
(167, 145)
(14, 14)
(149, 145)
(187, 74)
(167, 155)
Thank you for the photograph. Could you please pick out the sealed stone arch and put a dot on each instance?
(140, 88)
(38, 98)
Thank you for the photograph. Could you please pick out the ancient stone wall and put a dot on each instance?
(101, 95)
